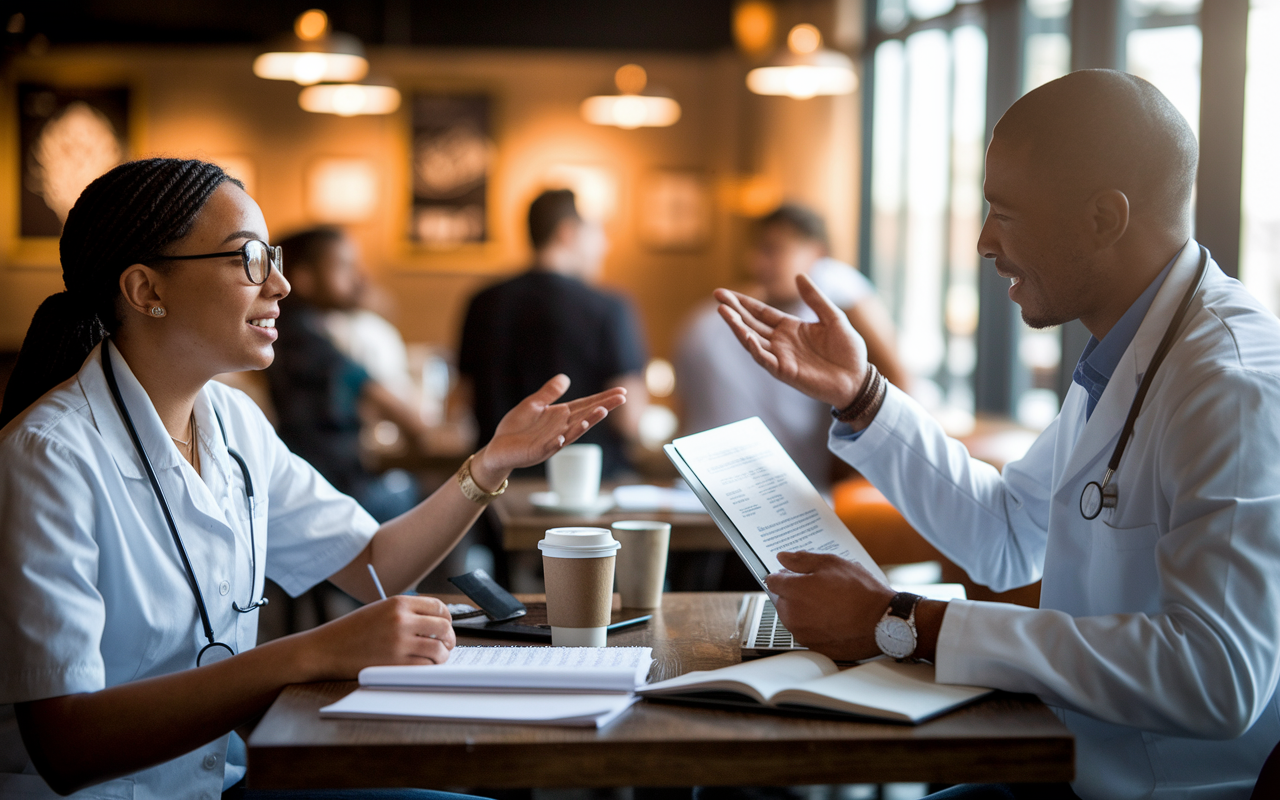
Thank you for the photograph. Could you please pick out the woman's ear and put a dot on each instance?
(140, 290)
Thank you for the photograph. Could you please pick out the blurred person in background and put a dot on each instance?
(719, 382)
(319, 382)
(550, 320)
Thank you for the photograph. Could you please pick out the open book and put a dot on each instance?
(575, 686)
(809, 682)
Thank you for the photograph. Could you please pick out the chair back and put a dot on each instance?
(1268, 785)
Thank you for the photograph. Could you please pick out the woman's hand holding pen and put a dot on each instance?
(401, 629)
(536, 429)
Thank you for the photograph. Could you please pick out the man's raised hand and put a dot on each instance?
(826, 360)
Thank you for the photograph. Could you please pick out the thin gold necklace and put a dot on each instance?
(192, 428)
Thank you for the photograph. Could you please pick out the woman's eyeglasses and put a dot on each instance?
(259, 259)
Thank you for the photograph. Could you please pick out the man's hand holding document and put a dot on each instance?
(791, 540)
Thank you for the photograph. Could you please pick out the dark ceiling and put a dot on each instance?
(697, 25)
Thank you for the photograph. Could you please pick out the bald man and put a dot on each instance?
(1158, 633)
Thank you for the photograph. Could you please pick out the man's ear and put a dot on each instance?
(1109, 217)
(140, 289)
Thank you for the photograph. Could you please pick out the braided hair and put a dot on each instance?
(127, 216)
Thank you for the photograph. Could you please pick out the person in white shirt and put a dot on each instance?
(717, 380)
(1156, 531)
(142, 506)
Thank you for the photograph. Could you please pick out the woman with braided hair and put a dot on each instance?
(142, 505)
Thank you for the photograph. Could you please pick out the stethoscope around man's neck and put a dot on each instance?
(215, 650)
(1097, 496)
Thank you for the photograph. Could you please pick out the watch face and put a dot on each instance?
(895, 638)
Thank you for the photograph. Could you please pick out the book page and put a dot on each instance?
(760, 679)
(598, 669)
(767, 497)
(882, 688)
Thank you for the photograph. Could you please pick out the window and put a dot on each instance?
(926, 192)
(1260, 235)
(928, 128)
(939, 73)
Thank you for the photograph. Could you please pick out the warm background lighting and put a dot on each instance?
(631, 109)
(349, 99)
(311, 25)
(631, 78)
(342, 190)
(754, 23)
(806, 70)
(313, 54)
(804, 39)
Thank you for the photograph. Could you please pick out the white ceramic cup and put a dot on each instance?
(578, 566)
(574, 475)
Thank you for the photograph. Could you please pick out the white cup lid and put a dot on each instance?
(579, 542)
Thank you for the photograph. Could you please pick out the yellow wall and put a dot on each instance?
(205, 102)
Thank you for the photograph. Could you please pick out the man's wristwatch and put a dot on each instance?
(896, 630)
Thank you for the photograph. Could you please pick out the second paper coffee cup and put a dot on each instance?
(642, 561)
(578, 566)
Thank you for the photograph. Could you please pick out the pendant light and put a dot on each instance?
(806, 69)
(630, 109)
(313, 53)
(350, 99)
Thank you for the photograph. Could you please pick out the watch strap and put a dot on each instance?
(903, 604)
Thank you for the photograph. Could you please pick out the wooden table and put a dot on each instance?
(523, 525)
(1001, 738)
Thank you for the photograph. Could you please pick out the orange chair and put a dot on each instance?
(889, 539)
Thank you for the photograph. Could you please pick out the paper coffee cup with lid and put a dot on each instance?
(578, 567)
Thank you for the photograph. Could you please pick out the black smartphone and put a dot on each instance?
(492, 599)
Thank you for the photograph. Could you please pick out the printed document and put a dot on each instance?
(766, 496)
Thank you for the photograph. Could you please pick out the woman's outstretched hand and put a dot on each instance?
(536, 429)
(826, 360)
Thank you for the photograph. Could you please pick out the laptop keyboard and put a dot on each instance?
(770, 633)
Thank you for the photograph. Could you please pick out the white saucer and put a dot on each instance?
(549, 501)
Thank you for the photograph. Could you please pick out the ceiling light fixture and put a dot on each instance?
(313, 53)
(630, 109)
(805, 70)
(350, 99)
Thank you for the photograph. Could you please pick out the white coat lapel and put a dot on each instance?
(1103, 429)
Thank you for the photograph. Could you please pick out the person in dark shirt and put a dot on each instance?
(317, 390)
(548, 320)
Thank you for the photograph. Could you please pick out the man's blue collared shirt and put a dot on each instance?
(1100, 358)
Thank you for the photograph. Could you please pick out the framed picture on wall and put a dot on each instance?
(674, 210)
(67, 137)
(451, 152)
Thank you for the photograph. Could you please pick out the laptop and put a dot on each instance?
(761, 633)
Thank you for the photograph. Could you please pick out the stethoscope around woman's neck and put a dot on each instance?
(215, 650)
(1097, 496)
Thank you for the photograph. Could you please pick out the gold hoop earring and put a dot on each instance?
(158, 311)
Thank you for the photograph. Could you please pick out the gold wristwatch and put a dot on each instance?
(471, 490)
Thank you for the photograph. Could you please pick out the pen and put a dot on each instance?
(373, 573)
